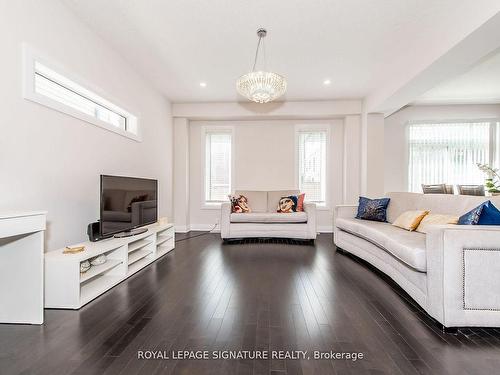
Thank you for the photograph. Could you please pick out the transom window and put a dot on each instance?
(53, 89)
(448, 152)
(311, 158)
(217, 164)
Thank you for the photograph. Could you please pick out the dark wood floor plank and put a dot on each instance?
(256, 294)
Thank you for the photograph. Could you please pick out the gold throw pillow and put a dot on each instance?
(410, 220)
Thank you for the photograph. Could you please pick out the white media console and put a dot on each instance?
(67, 288)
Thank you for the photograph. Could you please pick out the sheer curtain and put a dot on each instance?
(312, 164)
(448, 152)
(217, 165)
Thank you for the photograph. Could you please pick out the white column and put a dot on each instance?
(181, 174)
(372, 155)
(352, 159)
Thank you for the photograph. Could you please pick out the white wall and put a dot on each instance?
(395, 155)
(51, 161)
(264, 159)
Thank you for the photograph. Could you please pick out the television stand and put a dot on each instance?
(130, 233)
(67, 288)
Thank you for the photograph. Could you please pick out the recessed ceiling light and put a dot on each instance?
(203, 84)
(326, 82)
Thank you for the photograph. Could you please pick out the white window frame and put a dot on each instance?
(205, 129)
(31, 57)
(494, 156)
(315, 127)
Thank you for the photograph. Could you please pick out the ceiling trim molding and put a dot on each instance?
(463, 101)
(275, 110)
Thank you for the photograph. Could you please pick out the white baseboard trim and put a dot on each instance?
(196, 227)
(207, 227)
(181, 228)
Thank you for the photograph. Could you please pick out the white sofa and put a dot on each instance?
(264, 221)
(453, 272)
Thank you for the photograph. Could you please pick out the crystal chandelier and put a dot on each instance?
(261, 86)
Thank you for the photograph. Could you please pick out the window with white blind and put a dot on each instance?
(45, 85)
(448, 152)
(311, 164)
(218, 164)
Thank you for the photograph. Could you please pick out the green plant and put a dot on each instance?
(492, 182)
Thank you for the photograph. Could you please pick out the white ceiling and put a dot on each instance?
(479, 85)
(176, 44)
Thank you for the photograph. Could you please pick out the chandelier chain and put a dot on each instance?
(256, 54)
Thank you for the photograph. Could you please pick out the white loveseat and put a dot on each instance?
(453, 272)
(264, 221)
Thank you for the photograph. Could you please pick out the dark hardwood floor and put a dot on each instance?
(206, 295)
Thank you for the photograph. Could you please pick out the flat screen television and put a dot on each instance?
(127, 203)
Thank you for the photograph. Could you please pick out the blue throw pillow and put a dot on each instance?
(471, 217)
(373, 209)
(490, 215)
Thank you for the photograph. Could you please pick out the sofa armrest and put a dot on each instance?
(225, 219)
(310, 209)
(347, 211)
(463, 274)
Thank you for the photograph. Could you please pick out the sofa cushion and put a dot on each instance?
(408, 247)
(269, 217)
(273, 198)
(402, 202)
(257, 200)
(448, 204)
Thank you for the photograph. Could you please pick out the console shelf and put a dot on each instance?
(98, 270)
(67, 288)
(138, 265)
(96, 287)
(138, 255)
(165, 241)
(162, 239)
(133, 246)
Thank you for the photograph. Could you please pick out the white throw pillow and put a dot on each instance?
(435, 219)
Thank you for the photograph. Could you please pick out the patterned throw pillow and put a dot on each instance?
(373, 209)
(287, 204)
(239, 204)
(471, 217)
(300, 202)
